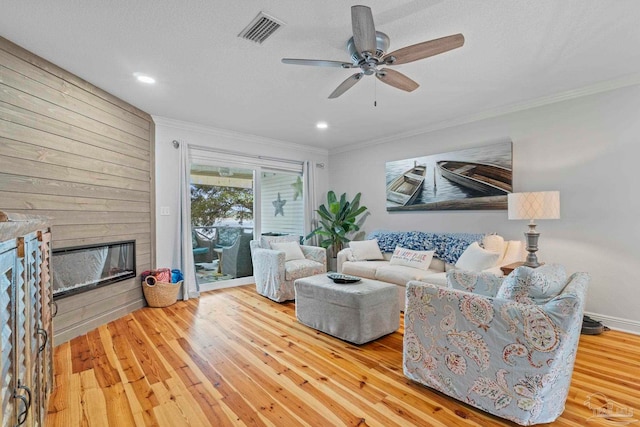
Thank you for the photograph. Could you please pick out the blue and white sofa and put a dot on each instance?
(505, 346)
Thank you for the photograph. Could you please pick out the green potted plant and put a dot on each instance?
(338, 221)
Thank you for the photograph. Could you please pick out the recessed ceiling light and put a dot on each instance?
(144, 78)
(322, 125)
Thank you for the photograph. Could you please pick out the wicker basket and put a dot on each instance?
(160, 294)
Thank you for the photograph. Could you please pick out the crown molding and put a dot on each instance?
(224, 133)
(625, 81)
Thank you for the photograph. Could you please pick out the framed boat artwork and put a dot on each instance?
(472, 179)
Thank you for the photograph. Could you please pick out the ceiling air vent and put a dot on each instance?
(261, 28)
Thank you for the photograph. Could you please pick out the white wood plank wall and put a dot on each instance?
(73, 152)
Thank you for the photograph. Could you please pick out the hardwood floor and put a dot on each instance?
(236, 358)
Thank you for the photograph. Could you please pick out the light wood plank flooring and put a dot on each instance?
(235, 358)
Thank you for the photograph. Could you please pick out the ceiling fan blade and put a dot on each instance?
(396, 79)
(317, 62)
(346, 85)
(364, 31)
(423, 50)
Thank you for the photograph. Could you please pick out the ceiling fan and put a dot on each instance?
(368, 48)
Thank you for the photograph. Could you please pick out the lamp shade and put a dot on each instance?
(538, 205)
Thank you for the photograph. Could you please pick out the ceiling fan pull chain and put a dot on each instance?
(375, 93)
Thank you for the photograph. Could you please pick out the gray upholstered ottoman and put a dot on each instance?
(357, 312)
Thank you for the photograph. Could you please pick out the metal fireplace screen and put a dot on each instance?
(83, 268)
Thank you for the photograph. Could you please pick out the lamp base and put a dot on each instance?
(533, 263)
(532, 246)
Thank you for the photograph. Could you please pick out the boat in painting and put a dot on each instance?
(405, 189)
(483, 177)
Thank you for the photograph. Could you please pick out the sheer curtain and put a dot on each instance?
(311, 222)
(185, 245)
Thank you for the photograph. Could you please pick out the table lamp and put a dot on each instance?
(533, 206)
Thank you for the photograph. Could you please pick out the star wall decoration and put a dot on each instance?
(297, 189)
(279, 205)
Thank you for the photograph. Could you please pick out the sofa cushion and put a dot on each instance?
(401, 274)
(298, 268)
(482, 283)
(439, 279)
(365, 250)
(475, 258)
(200, 251)
(409, 258)
(366, 269)
(291, 250)
(536, 286)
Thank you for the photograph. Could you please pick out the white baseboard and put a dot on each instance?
(617, 323)
(221, 284)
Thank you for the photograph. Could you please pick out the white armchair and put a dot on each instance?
(274, 275)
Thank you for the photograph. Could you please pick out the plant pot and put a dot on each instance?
(332, 264)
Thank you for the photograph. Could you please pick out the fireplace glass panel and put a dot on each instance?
(80, 269)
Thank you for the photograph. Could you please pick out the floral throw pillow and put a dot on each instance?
(547, 281)
(515, 286)
(482, 283)
(537, 286)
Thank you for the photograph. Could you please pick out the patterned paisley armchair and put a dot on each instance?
(507, 347)
(274, 274)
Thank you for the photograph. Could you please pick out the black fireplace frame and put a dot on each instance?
(100, 283)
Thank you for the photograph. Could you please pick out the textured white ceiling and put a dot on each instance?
(515, 51)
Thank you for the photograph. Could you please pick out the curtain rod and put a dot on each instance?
(176, 144)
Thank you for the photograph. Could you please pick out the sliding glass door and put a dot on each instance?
(236, 198)
(222, 206)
